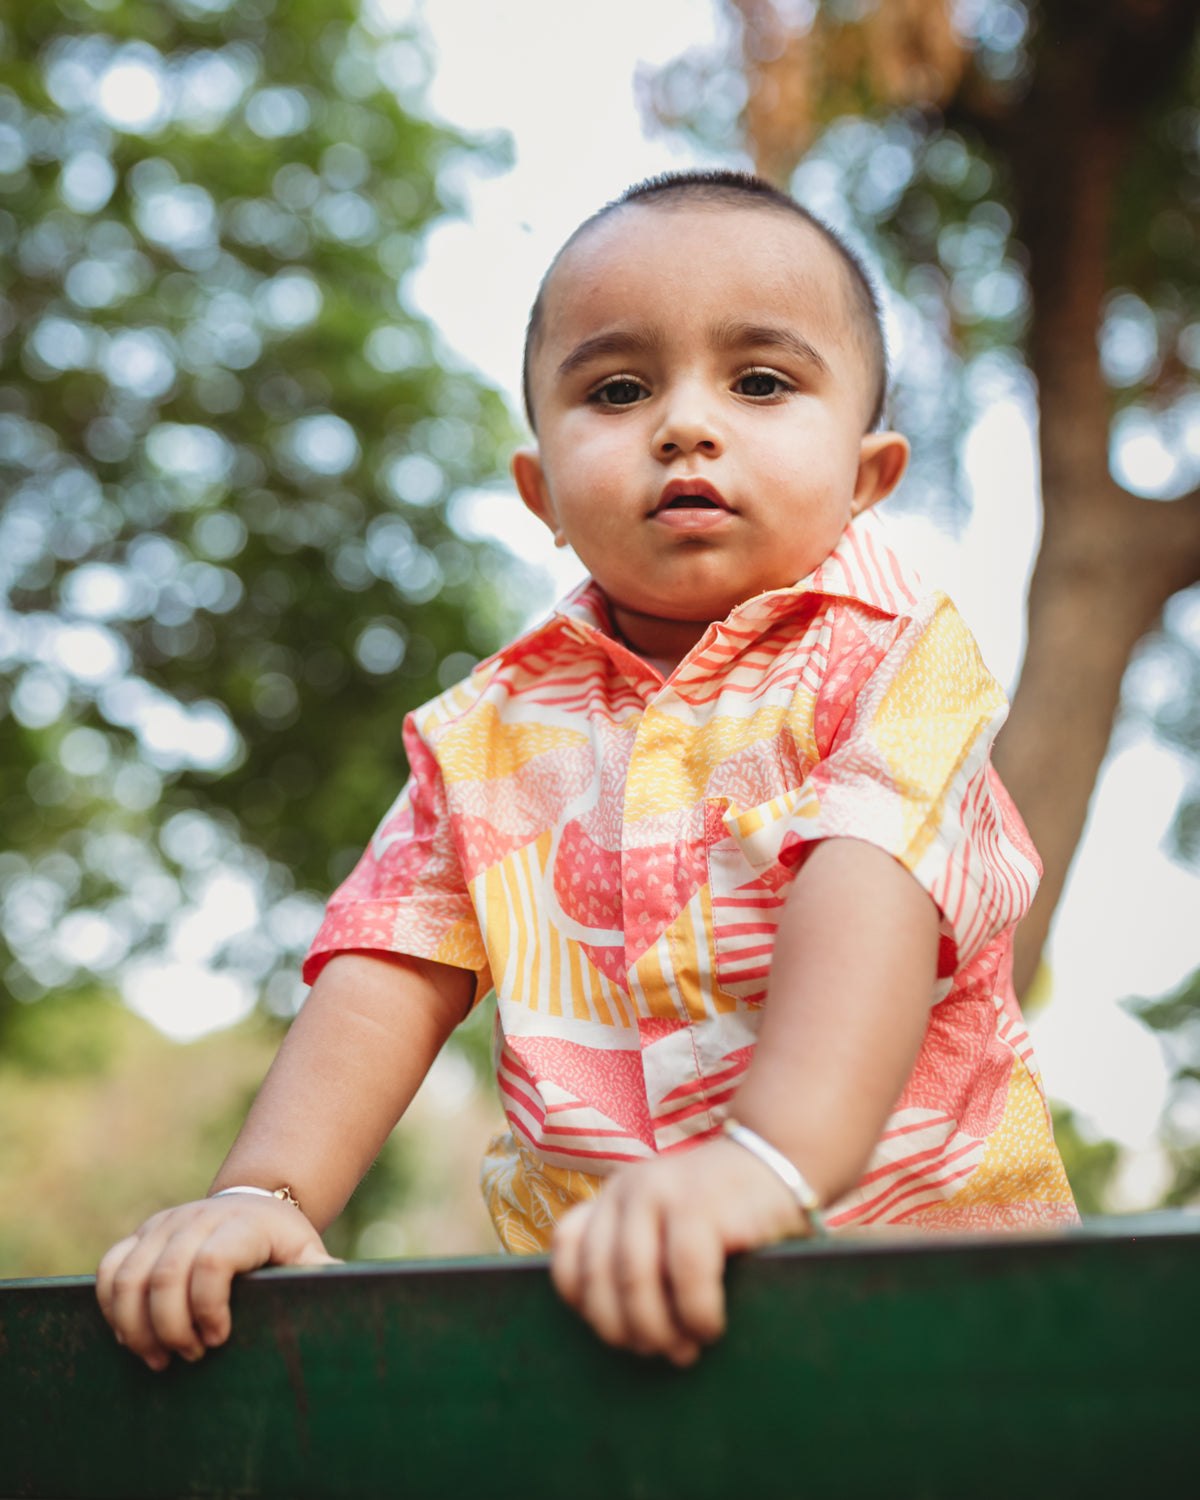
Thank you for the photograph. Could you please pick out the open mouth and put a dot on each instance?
(691, 494)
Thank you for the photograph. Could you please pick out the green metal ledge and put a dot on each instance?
(934, 1369)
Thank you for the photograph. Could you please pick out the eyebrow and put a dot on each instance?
(618, 341)
(727, 335)
(734, 335)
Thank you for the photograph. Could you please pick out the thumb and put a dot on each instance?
(314, 1253)
(303, 1247)
(296, 1243)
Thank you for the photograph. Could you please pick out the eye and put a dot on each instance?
(760, 384)
(623, 391)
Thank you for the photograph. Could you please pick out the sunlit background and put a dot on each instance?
(144, 622)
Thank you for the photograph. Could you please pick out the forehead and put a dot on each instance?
(667, 260)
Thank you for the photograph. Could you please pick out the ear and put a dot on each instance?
(883, 458)
(530, 479)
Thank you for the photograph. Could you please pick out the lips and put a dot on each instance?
(691, 494)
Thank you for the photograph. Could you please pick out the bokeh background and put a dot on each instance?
(264, 270)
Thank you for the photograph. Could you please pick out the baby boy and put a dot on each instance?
(722, 834)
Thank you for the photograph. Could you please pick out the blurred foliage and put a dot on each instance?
(235, 468)
(474, 1040)
(1177, 1018)
(65, 1035)
(390, 1182)
(1165, 692)
(1091, 1165)
(104, 1121)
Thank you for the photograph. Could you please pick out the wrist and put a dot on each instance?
(785, 1170)
(283, 1193)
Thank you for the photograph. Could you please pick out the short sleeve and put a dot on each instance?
(407, 894)
(907, 767)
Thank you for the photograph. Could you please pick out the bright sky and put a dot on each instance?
(560, 79)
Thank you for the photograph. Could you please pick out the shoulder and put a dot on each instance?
(870, 602)
(934, 637)
(919, 665)
(457, 700)
(545, 654)
(928, 641)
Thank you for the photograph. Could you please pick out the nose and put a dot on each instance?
(690, 424)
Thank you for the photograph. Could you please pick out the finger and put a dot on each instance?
(599, 1296)
(130, 1315)
(106, 1273)
(644, 1303)
(169, 1293)
(231, 1248)
(695, 1266)
(566, 1253)
(280, 1236)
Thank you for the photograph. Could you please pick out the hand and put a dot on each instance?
(166, 1288)
(644, 1262)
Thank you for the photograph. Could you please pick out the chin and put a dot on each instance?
(687, 603)
(700, 612)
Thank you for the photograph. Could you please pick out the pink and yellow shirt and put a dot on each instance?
(610, 850)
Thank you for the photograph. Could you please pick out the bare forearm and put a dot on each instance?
(847, 1007)
(351, 1062)
(346, 1072)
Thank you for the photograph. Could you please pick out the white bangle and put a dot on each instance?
(789, 1174)
(284, 1194)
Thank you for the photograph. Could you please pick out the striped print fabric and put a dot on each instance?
(611, 850)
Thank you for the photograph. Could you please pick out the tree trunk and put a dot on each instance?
(1098, 587)
(1109, 560)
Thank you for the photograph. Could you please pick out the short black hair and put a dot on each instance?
(735, 190)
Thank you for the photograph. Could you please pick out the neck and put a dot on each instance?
(650, 635)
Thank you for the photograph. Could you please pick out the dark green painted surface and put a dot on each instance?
(925, 1368)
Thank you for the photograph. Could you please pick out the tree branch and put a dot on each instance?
(1169, 544)
(1099, 585)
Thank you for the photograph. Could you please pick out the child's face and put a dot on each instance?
(700, 396)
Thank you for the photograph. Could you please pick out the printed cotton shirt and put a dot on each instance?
(611, 850)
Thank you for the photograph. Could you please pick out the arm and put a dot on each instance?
(347, 1070)
(848, 1003)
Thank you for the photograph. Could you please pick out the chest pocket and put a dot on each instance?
(748, 884)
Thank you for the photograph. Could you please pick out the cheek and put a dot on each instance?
(586, 502)
(595, 466)
(808, 480)
(834, 474)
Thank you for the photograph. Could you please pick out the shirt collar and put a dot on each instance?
(861, 567)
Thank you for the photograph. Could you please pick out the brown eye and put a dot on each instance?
(619, 393)
(760, 383)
